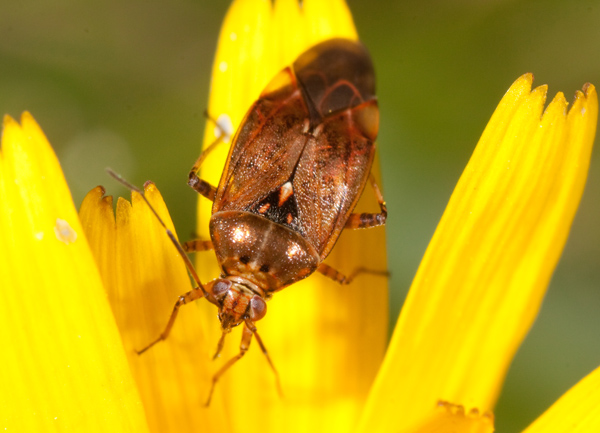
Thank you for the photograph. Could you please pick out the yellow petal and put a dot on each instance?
(144, 275)
(63, 365)
(486, 270)
(578, 411)
(326, 340)
(449, 418)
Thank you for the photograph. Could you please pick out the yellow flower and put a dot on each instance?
(63, 363)
(69, 362)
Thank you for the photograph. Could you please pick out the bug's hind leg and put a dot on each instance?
(366, 220)
(342, 279)
(201, 186)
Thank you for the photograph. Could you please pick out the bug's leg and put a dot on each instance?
(186, 298)
(196, 245)
(244, 345)
(342, 279)
(250, 325)
(220, 346)
(366, 220)
(201, 186)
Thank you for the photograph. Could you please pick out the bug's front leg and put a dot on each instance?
(244, 345)
(342, 279)
(186, 298)
(247, 333)
(366, 220)
(250, 325)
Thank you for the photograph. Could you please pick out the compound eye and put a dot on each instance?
(258, 308)
(220, 289)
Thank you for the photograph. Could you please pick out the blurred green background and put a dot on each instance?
(124, 84)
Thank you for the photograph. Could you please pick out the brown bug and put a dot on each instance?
(295, 171)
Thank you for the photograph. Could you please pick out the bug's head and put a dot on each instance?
(236, 302)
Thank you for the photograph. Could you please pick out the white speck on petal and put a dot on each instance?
(39, 236)
(223, 66)
(233, 36)
(64, 232)
(582, 111)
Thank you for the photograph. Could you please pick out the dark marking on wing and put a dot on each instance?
(284, 212)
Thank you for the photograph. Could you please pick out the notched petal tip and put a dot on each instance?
(26, 116)
(588, 93)
(583, 96)
(559, 103)
(96, 212)
(107, 200)
(585, 109)
(527, 77)
(97, 195)
(524, 82)
(97, 192)
(542, 90)
(149, 185)
(586, 96)
(520, 88)
(123, 204)
(26, 121)
(7, 120)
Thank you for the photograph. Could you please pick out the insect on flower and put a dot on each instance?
(295, 171)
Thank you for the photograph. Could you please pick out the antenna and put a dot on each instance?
(186, 259)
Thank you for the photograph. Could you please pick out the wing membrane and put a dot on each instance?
(331, 176)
